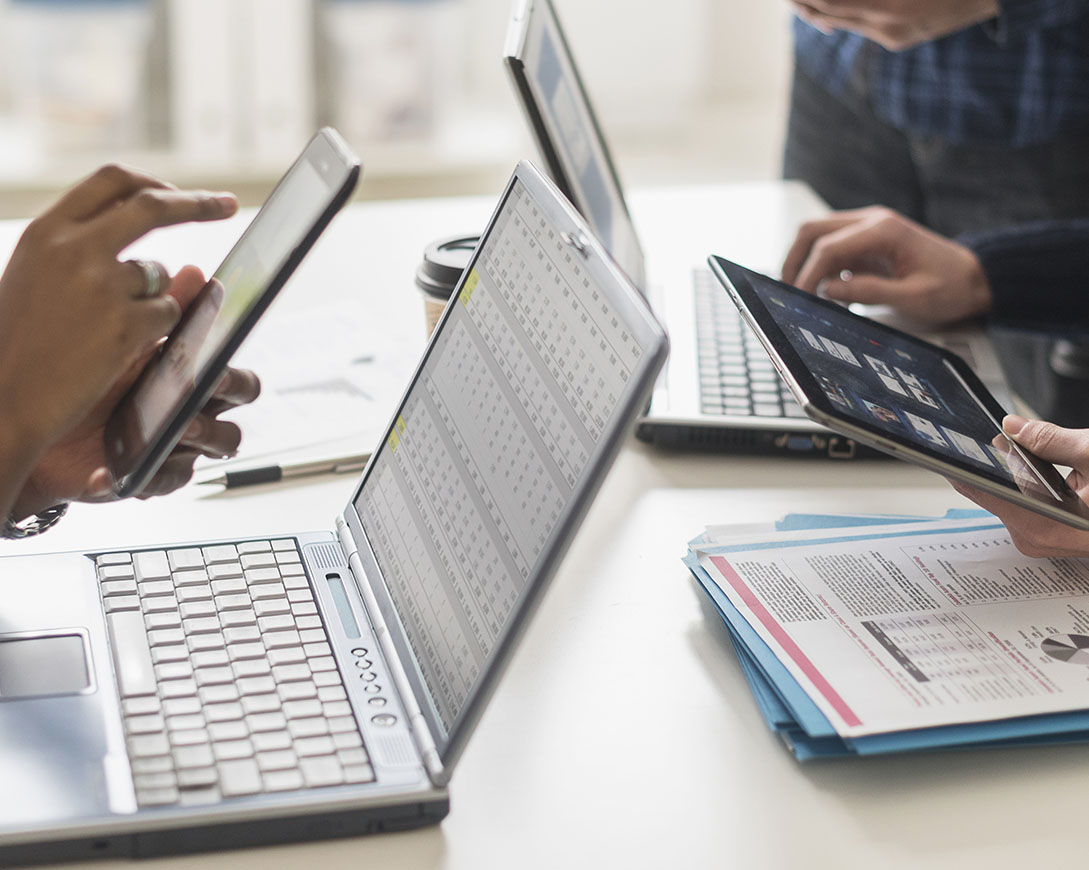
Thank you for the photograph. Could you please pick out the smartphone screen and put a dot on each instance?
(179, 379)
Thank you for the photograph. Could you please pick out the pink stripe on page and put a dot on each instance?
(784, 640)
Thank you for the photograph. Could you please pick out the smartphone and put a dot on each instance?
(180, 379)
(895, 392)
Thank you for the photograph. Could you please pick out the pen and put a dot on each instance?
(287, 471)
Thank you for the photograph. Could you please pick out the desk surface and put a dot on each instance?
(624, 734)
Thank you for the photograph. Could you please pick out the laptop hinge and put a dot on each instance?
(421, 733)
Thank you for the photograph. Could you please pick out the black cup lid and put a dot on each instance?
(443, 262)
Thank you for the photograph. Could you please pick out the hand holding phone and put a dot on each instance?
(181, 378)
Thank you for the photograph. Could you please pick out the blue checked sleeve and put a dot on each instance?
(1039, 273)
(1017, 18)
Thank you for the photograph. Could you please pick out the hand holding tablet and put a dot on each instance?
(896, 393)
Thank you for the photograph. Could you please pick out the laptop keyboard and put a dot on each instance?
(736, 376)
(228, 685)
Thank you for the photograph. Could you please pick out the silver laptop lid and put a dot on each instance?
(534, 375)
(565, 128)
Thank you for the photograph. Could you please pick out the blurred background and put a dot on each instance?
(223, 93)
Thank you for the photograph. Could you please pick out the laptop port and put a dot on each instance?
(841, 448)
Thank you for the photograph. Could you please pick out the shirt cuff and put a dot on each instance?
(1018, 17)
(1038, 273)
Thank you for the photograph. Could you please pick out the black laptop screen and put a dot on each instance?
(572, 138)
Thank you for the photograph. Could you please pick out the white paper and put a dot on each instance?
(899, 627)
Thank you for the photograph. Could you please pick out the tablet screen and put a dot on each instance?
(909, 391)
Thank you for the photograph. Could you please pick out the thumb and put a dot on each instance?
(1050, 442)
(98, 487)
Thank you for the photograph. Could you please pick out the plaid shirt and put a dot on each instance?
(1019, 80)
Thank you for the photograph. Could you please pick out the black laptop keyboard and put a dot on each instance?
(736, 376)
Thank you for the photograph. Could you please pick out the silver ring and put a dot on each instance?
(846, 275)
(152, 278)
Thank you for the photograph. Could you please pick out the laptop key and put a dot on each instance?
(283, 780)
(299, 728)
(220, 553)
(154, 797)
(152, 764)
(191, 577)
(279, 759)
(186, 558)
(223, 732)
(239, 777)
(265, 741)
(356, 773)
(255, 576)
(198, 777)
(151, 565)
(321, 770)
(181, 706)
(254, 547)
(120, 603)
(147, 745)
(225, 571)
(131, 654)
(209, 658)
(118, 587)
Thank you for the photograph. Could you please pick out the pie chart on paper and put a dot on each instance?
(1072, 648)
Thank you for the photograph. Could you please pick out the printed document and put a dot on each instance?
(892, 628)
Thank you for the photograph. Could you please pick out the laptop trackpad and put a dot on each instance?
(35, 666)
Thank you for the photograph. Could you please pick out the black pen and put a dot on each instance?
(287, 471)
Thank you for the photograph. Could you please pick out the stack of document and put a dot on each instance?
(862, 635)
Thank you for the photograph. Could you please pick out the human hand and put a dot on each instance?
(896, 24)
(879, 257)
(73, 318)
(1032, 533)
(74, 468)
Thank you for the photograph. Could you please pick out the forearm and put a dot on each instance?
(1038, 273)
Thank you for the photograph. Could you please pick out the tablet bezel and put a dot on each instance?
(738, 282)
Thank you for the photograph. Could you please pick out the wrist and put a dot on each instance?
(20, 452)
(980, 297)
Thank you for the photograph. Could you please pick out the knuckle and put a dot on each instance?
(112, 173)
(1039, 433)
(149, 203)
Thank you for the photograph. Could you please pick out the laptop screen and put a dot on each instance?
(563, 121)
(536, 368)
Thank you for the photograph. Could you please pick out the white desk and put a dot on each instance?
(624, 734)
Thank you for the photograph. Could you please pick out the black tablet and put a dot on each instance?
(894, 392)
(181, 377)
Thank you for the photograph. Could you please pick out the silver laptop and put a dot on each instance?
(719, 390)
(216, 694)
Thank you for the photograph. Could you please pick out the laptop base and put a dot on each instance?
(748, 441)
(234, 835)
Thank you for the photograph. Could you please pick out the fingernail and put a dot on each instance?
(194, 430)
(226, 201)
(1012, 424)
